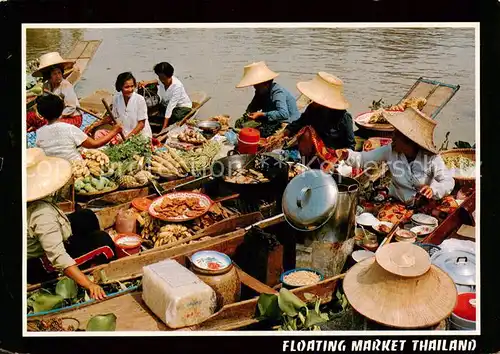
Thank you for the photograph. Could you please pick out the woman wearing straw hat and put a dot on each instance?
(56, 242)
(415, 165)
(325, 125)
(272, 104)
(51, 68)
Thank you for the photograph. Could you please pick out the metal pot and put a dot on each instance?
(324, 206)
(460, 265)
(273, 169)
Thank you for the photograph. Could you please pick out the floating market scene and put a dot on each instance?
(264, 179)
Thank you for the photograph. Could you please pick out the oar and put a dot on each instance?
(78, 108)
(111, 115)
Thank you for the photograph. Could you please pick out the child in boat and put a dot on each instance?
(58, 242)
(272, 104)
(413, 159)
(176, 103)
(60, 139)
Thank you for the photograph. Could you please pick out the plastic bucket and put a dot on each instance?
(127, 244)
(248, 141)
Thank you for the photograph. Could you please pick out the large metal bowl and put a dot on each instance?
(209, 126)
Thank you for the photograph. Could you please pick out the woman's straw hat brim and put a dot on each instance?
(45, 174)
(400, 302)
(415, 126)
(404, 259)
(49, 60)
(256, 73)
(326, 90)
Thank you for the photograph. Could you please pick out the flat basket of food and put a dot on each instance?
(462, 164)
(93, 187)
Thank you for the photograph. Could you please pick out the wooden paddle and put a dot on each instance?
(111, 116)
(78, 108)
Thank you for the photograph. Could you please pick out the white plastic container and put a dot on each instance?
(176, 295)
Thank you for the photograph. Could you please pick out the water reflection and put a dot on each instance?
(374, 63)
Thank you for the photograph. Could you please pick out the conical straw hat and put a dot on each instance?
(326, 90)
(256, 73)
(45, 175)
(415, 126)
(400, 302)
(50, 59)
(404, 259)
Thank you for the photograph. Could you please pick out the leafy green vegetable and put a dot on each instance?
(66, 288)
(100, 323)
(136, 145)
(46, 302)
(289, 303)
(268, 306)
(294, 314)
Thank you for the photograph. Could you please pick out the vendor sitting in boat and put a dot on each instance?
(413, 160)
(325, 125)
(129, 109)
(58, 242)
(51, 68)
(272, 104)
(176, 103)
(60, 139)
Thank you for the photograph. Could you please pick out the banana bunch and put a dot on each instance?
(148, 223)
(79, 168)
(97, 162)
(170, 233)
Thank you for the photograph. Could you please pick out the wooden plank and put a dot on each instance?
(231, 224)
(90, 49)
(253, 283)
(467, 231)
(462, 215)
(131, 266)
(77, 50)
(133, 314)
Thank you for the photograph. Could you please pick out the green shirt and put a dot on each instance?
(48, 228)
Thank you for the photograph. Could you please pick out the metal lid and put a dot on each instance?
(459, 264)
(309, 200)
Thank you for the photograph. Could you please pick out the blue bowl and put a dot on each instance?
(288, 286)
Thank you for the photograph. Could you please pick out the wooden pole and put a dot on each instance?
(111, 115)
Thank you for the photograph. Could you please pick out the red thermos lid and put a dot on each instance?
(249, 135)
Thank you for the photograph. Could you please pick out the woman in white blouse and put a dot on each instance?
(129, 108)
(52, 67)
(412, 158)
(175, 100)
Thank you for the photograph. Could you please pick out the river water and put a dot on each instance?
(374, 63)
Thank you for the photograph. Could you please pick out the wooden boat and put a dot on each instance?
(437, 94)
(198, 98)
(82, 53)
(133, 314)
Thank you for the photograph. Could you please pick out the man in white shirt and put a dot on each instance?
(174, 98)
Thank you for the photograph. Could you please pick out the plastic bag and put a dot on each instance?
(126, 222)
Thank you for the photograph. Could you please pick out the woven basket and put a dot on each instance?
(98, 193)
(469, 153)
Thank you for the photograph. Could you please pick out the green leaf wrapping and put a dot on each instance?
(289, 303)
(268, 306)
(100, 323)
(66, 288)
